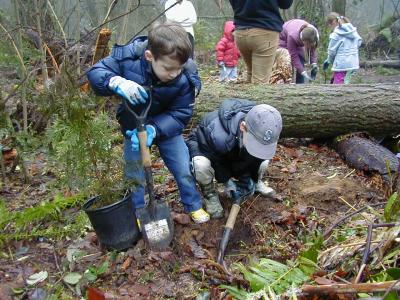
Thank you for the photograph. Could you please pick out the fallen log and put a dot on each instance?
(381, 63)
(350, 288)
(317, 110)
(367, 155)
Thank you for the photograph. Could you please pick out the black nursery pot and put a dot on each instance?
(115, 224)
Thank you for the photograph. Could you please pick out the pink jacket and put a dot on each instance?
(226, 47)
(289, 38)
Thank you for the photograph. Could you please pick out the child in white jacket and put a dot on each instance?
(344, 43)
(183, 13)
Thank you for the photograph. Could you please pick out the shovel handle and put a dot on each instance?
(144, 150)
(230, 223)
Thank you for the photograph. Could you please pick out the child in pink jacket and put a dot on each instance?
(227, 54)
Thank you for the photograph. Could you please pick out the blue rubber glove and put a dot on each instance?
(314, 71)
(129, 90)
(326, 64)
(245, 185)
(132, 134)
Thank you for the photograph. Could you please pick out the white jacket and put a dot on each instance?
(344, 42)
(183, 13)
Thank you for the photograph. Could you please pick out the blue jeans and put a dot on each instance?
(175, 155)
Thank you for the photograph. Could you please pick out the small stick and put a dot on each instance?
(328, 232)
(366, 254)
(344, 200)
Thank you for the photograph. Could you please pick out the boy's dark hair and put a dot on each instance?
(170, 39)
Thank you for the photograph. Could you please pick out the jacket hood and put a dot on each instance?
(347, 30)
(229, 27)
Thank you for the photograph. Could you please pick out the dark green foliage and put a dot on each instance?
(268, 275)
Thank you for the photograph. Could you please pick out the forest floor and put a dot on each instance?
(314, 186)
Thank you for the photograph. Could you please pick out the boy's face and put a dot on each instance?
(165, 67)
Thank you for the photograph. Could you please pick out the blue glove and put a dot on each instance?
(221, 64)
(314, 71)
(132, 134)
(129, 90)
(326, 64)
(230, 187)
(245, 186)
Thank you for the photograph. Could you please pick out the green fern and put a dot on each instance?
(269, 275)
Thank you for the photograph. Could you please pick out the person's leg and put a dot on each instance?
(134, 174)
(223, 73)
(175, 154)
(299, 77)
(241, 38)
(263, 44)
(347, 78)
(204, 174)
(338, 77)
(191, 39)
(233, 76)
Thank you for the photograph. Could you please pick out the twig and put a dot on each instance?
(58, 22)
(56, 260)
(15, 47)
(348, 174)
(390, 288)
(349, 288)
(344, 200)
(52, 58)
(328, 232)
(347, 245)
(366, 254)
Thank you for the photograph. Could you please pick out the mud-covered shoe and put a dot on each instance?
(200, 216)
(211, 200)
(213, 206)
(264, 189)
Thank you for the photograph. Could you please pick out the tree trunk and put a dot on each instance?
(339, 6)
(384, 63)
(317, 110)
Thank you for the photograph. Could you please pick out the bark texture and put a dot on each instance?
(315, 110)
(384, 63)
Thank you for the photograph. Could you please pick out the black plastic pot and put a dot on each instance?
(115, 224)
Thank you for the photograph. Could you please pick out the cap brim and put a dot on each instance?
(259, 150)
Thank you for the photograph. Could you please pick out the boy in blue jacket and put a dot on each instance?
(161, 63)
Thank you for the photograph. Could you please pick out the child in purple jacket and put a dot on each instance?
(227, 54)
(300, 38)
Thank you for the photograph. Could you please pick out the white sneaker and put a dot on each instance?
(264, 189)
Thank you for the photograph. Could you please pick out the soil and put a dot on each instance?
(314, 188)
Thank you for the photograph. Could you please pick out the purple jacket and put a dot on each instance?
(289, 38)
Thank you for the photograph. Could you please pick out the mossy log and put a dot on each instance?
(316, 110)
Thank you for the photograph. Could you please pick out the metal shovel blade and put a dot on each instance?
(156, 225)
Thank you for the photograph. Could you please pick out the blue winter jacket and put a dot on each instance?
(218, 138)
(344, 42)
(173, 102)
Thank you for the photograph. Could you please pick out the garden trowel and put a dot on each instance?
(155, 217)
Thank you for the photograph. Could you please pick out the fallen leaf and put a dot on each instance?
(182, 219)
(72, 278)
(194, 249)
(126, 264)
(37, 277)
(323, 281)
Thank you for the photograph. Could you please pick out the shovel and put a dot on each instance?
(155, 218)
(230, 223)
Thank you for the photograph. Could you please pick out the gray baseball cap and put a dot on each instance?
(264, 125)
